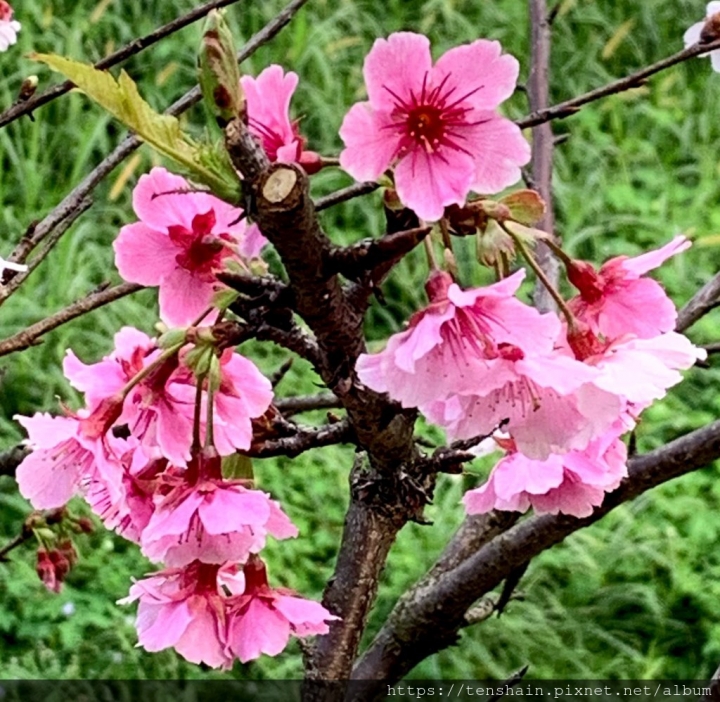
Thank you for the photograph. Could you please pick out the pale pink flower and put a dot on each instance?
(8, 26)
(268, 106)
(618, 300)
(475, 358)
(182, 240)
(692, 35)
(261, 619)
(211, 520)
(437, 125)
(184, 609)
(573, 483)
(67, 453)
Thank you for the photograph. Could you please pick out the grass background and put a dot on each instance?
(633, 597)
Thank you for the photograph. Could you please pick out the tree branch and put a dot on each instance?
(12, 458)
(352, 191)
(634, 80)
(134, 47)
(306, 403)
(541, 163)
(704, 300)
(29, 336)
(303, 440)
(414, 630)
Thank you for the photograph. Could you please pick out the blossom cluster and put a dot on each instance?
(8, 26)
(146, 452)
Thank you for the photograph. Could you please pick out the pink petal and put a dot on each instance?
(395, 67)
(252, 242)
(517, 473)
(478, 67)
(46, 431)
(200, 642)
(46, 482)
(226, 511)
(183, 298)
(160, 626)
(692, 35)
(370, 146)
(305, 616)
(144, 255)
(279, 524)
(639, 265)
(260, 629)
(428, 182)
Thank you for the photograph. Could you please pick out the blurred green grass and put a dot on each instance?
(635, 596)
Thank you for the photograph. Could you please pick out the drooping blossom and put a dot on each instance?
(694, 34)
(437, 125)
(212, 520)
(67, 453)
(573, 483)
(182, 240)
(475, 358)
(185, 608)
(262, 619)
(618, 300)
(268, 106)
(8, 26)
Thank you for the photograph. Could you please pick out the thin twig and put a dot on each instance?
(30, 336)
(703, 301)
(570, 107)
(19, 540)
(352, 191)
(306, 403)
(134, 47)
(303, 440)
(12, 458)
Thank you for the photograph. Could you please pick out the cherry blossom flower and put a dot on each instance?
(693, 35)
(8, 27)
(617, 300)
(211, 520)
(67, 453)
(478, 357)
(184, 608)
(262, 619)
(268, 105)
(573, 483)
(437, 125)
(182, 240)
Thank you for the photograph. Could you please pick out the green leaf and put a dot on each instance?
(123, 101)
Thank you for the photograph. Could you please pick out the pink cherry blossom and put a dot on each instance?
(184, 608)
(692, 35)
(8, 26)
(437, 125)
(211, 520)
(573, 483)
(182, 240)
(475, 358)
(268, 105)
(617, 300)
(67, 453)
(262, 619)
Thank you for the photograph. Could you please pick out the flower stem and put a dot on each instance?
(430, 251)
(151, 368)
(562, 305)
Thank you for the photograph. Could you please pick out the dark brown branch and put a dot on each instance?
(303, 440)
(134, 47)
(367, 255)
(30, 336)
(19, 540)
(306, 403)
(12, 458)
(414, 631)
(712, 348)
(541, 163)
(72, 205)
(263, 290)
(634, 80)
(705, 300)
(352, 191)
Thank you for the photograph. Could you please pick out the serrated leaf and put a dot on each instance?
(123, 101)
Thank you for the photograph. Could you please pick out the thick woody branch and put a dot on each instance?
(429, 618)
(263, 290)
(12, 458)
(355, 261)
(31, 335)
(705, 300)
(279, 200)
(541, 162)
(303, 440)
(134, 47)
(634, 80)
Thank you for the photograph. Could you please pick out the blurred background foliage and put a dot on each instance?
(633, 597)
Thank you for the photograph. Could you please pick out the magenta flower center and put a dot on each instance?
(433, 120)
(201, 250)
